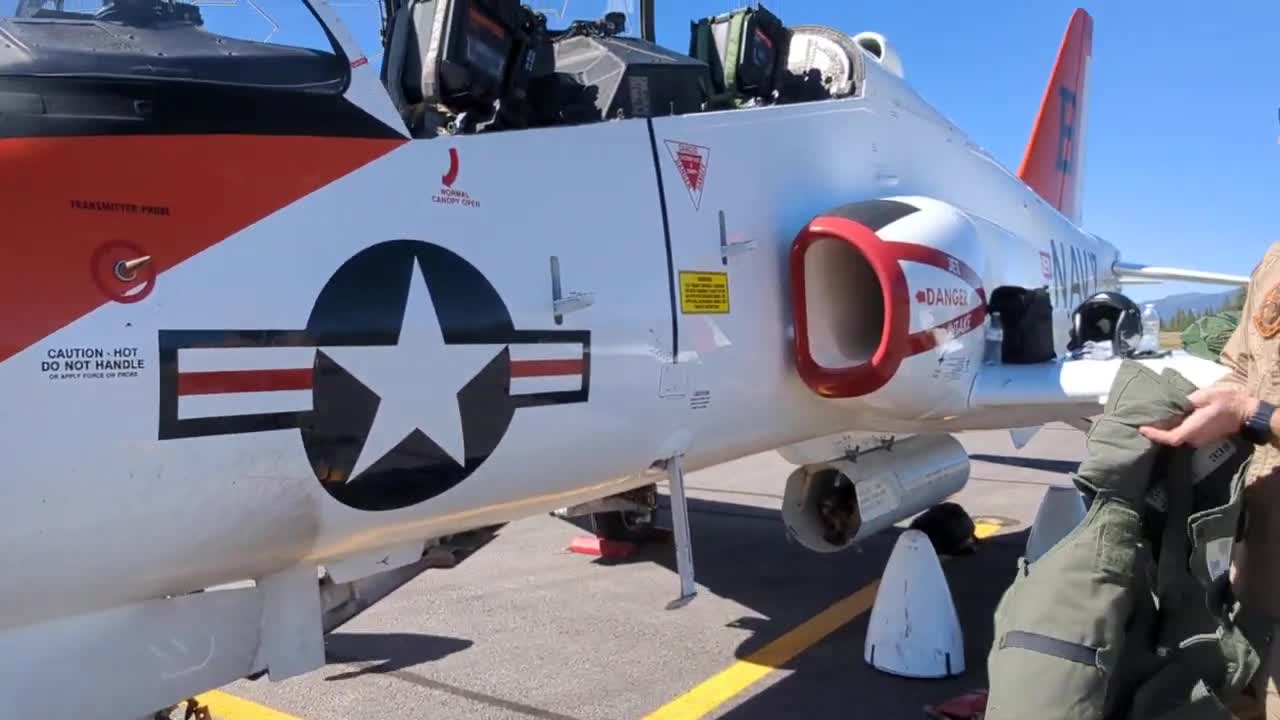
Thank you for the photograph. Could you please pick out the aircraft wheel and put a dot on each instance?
(949, 528)
(624, 525)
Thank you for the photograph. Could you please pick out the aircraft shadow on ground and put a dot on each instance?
(741, 553)
(398, 651)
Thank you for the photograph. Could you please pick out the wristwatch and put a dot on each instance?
(1257, 428)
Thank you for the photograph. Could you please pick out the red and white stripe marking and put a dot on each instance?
(931, 274)
(546, 367)
(217, 382)
(220, 382)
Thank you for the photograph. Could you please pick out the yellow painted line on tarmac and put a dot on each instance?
(733, 680)
(983, 528)
(224, 706)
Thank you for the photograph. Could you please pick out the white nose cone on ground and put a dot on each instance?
(914, 629)
(1061, 510)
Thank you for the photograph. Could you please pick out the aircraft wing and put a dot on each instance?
(1081, 382)
(1136, 273)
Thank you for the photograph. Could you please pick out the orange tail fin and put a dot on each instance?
(1053, 163)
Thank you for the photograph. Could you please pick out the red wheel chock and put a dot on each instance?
(599, 547)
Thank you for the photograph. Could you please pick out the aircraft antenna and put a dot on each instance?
(647, 31)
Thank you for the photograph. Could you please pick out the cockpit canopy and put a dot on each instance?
(272, 43)
(449, 66)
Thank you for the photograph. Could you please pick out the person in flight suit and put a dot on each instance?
(1244, 402)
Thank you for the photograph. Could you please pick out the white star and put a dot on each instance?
(417, 379)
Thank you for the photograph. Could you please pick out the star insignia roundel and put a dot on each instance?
(402, 384)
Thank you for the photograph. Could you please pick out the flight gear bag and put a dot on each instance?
(1203, 637)
(1027, 317)
(1131, 616)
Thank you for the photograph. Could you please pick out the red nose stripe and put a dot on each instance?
(168, 196)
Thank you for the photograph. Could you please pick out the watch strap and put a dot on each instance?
(1257, 428)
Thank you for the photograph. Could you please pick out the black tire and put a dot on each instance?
(949, 528)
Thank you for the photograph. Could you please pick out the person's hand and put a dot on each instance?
(1218, 414)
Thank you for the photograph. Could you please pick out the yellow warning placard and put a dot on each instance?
(704, 293)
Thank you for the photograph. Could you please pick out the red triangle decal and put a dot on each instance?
(691, 161)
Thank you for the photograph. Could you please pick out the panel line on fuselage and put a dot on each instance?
(666, 236)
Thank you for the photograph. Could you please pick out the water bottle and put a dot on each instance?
(994, 339)
(1150, 340)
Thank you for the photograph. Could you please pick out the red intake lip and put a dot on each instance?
(870, 376)
(897, 342)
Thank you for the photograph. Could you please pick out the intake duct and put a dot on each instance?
(879, 285)
(880, 49)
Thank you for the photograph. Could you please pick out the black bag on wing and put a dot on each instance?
(1027, 319)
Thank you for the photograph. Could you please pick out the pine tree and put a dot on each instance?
(1188, 317)
(1236, 300)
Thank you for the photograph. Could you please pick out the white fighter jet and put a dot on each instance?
(276, 314)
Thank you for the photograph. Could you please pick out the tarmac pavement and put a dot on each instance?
(524, 629)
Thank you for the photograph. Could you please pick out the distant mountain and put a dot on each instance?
(1191, 302)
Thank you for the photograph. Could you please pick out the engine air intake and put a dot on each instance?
(887, 296)
(850, 300)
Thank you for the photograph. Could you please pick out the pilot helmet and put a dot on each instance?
(1107, 317)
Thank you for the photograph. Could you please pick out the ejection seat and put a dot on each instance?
(393, 60)
(447, 52)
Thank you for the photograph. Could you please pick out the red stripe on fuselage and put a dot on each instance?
(926, 340)
(546, 368)
(171, 196)
(243, 381)
(940, 259)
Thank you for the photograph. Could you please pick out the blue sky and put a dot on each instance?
(1182, 161)
(1183, 165)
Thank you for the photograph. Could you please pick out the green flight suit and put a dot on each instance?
(1131, 617)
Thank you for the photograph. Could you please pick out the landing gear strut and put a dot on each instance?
(684, 543)
(630, 518)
